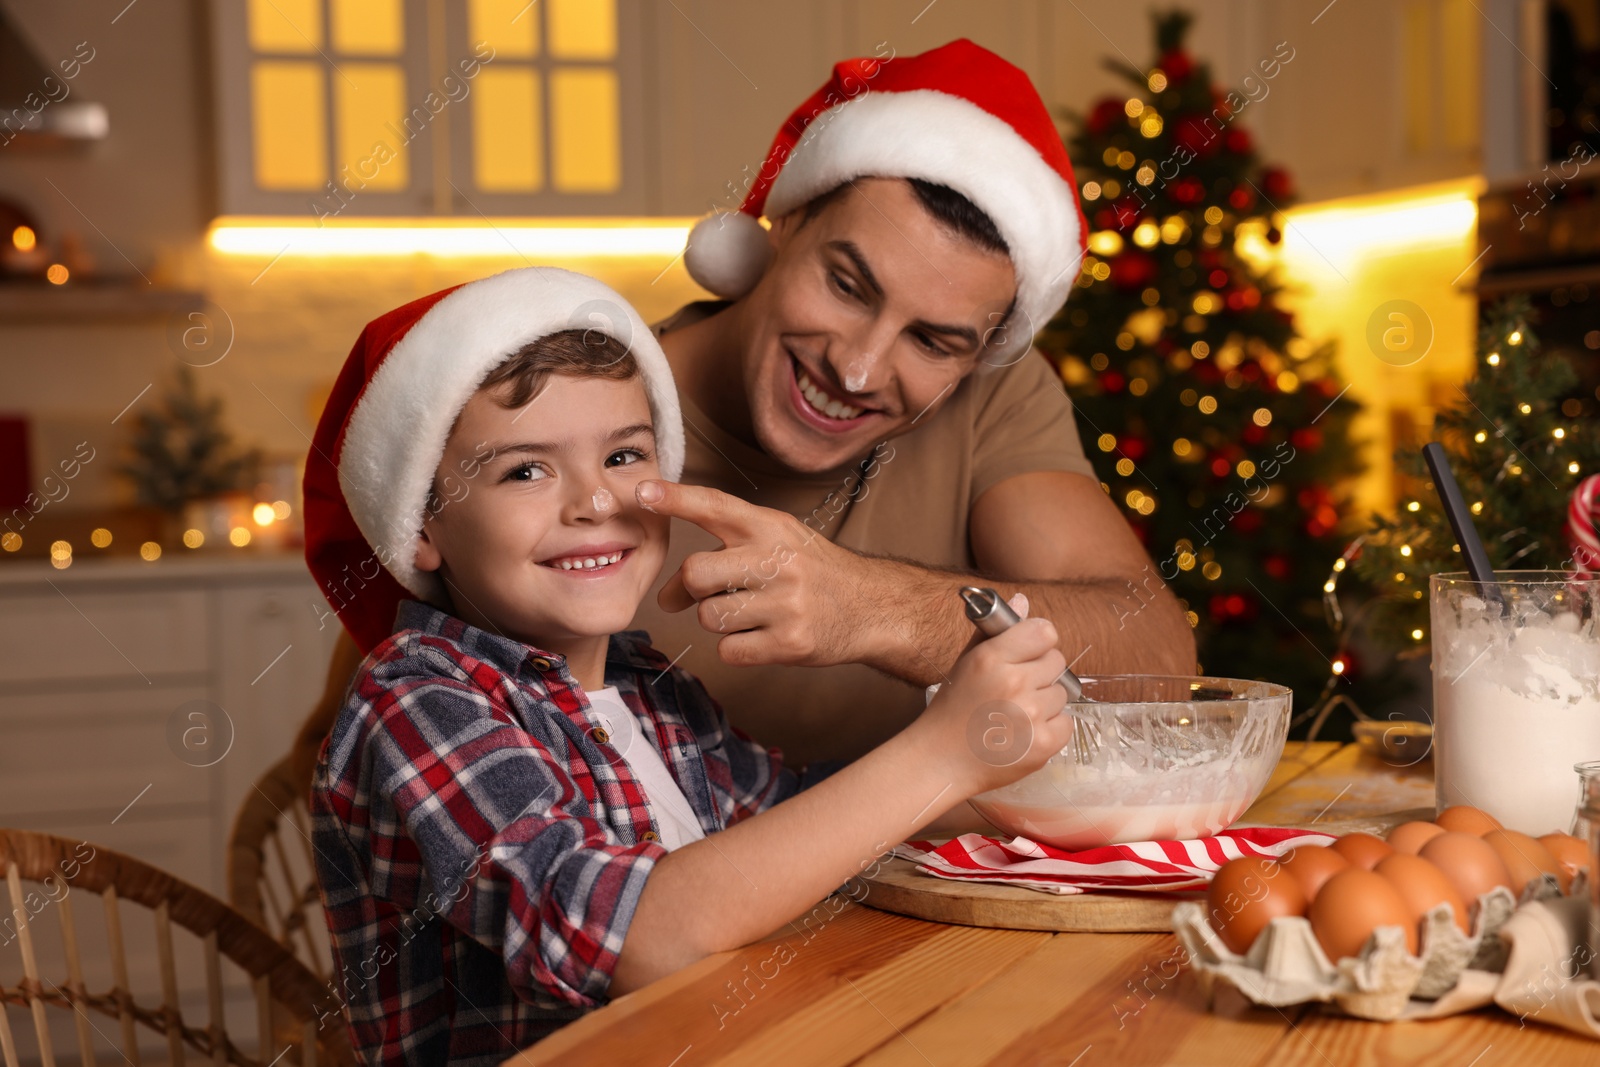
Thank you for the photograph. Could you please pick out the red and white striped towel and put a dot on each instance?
(1147, 866)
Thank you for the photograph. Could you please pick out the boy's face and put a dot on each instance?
(556, 488)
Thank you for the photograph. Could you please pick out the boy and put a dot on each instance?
(524, 809)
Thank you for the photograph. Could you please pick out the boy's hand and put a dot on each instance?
(999, 716)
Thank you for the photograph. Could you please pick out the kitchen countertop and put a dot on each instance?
(870, 987)
(195, 567)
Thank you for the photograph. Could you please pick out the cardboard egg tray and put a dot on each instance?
(1287, 966)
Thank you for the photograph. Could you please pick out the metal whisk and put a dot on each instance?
(992, 616)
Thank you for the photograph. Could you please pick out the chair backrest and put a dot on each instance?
(271, 877)
(149, 972)
(272, 882)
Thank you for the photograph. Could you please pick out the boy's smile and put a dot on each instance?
(545, 542)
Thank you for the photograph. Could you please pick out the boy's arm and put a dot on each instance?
(741, 884)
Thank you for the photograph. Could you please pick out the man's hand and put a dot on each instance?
(778, 590)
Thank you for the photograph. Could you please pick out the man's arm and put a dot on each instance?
(781, 594)
(1029, 532)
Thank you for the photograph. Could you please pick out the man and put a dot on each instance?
(869, 395)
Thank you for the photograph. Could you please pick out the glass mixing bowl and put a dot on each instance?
(1172, 758)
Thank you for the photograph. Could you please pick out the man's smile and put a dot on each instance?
(820, 407)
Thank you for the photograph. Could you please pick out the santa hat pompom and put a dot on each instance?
(727, 253)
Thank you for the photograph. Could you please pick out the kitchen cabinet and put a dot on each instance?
(140, 701)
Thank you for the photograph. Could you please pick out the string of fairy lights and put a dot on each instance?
(241, 533)
(1411, 568)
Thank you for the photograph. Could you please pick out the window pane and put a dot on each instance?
(506, 141)
(290, 133)
(510, 27)
(285, 25)
(370, 98)
(583, 29)
(585, 142)
(368, 27)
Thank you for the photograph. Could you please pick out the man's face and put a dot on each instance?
(543, 541)
(869, 315)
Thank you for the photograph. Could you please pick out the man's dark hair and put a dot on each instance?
(954, 211)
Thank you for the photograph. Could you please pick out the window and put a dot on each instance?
(423, 107)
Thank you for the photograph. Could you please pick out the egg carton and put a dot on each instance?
(1286, 965)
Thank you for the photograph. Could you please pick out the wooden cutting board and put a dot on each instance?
(1318, 785)
(899, 887)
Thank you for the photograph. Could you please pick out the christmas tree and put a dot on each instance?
(182, 452)
(1518, 448)
(1221, 433)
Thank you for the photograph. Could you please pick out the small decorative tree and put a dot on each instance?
(182, 452)
(1518, 448)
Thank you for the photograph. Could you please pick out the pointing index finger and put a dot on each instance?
(721, 515)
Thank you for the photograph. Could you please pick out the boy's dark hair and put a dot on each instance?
(953, 210)
(581, 353)
(586, 353)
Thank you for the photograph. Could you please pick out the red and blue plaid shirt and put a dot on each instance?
(480, 846)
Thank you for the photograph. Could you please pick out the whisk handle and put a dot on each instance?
(993, 616)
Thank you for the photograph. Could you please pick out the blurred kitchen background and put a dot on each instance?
(203, 201)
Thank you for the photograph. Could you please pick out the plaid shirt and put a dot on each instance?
(481, 848)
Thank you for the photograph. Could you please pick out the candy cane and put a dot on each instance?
(1582, 515)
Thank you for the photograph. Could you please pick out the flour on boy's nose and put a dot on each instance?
(603, 500)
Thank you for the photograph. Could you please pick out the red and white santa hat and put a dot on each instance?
(384, 427)
(958, 116)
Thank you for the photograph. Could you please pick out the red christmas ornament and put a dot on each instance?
(1106, 115)
(1218, 279)
(1308, 438)
(1242, 198)
(1275, 182)
(1197, 133)
(1128, 210)
(1277, 566)
(1133, 270)
(1176, 65)
(1243, 299)
(1311, 497)
(1220, 467)
(1112, 381)
(1238, 140)
(1253, 434)
(1188, 190)
(1133, 447)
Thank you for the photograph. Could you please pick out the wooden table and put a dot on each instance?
(872, 988)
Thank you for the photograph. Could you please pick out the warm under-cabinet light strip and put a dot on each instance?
(576, 238)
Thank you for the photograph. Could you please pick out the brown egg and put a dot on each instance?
(1464, 820)
(1408, 837)
(1524, 857)
(1362, 850)
(1470, 862)
(1422, 885)
(1352, 905)
(1312, 866)
(1571, 853)
(1246, 894)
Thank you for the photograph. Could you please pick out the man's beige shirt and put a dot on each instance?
(910, 498)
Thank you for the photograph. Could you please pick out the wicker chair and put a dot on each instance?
(274, 885)
(62, 873)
